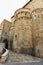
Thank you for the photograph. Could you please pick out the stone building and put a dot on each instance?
(34, 11)
(5, 25)
(23, 31)
(1, 28)
(26, 29)
(36, 8)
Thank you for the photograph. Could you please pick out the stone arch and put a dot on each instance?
(22, 12)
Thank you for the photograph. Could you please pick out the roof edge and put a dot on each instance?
(27, 4)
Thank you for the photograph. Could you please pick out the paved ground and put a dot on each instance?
(22, 59)
(14, 57)
(33, 63)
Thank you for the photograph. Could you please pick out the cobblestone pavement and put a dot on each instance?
(14, 57)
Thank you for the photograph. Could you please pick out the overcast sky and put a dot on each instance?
(8, 7)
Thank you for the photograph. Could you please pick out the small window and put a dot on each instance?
(16, 36)
(25, 13)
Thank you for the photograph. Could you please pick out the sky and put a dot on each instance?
(8, 7)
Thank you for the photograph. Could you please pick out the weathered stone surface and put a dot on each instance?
(6, 27)
(22, 12)
(39, 49)
(11, 35)
(22, 34)
(37, 17)
(34, 4)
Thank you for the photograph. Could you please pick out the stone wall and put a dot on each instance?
(11, 35)
(36, 10)
(6, 28)
(22, 34)
(37, 17)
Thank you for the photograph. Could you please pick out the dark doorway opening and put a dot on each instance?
(6, 43)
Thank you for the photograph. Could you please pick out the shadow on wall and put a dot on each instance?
(26, 50)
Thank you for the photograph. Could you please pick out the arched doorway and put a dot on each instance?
(6, 43)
